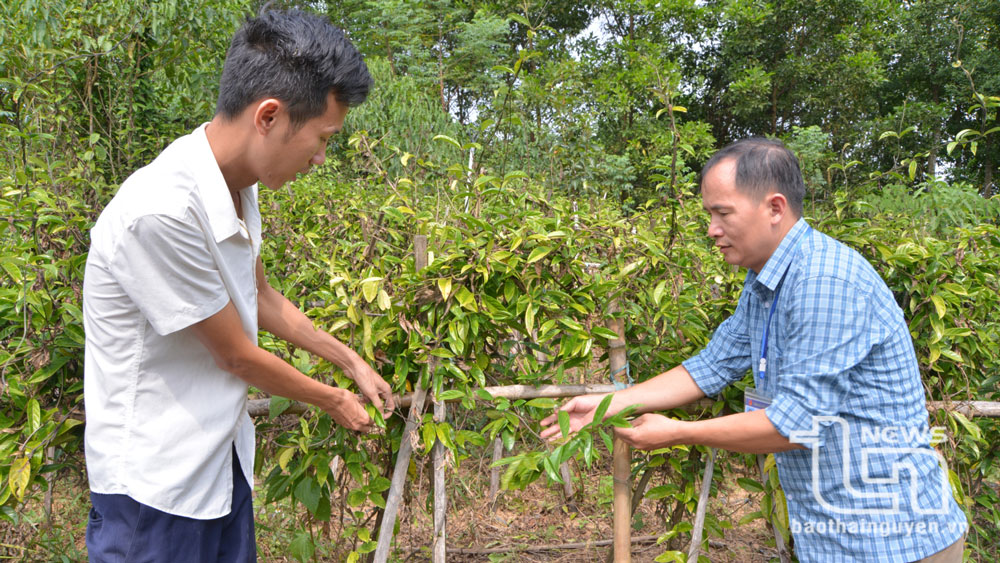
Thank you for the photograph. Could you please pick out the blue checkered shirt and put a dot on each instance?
(843, 378)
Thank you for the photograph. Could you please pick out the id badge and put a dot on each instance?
(754, 400)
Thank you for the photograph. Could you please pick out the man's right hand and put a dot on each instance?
(347, 410)
(581, 412)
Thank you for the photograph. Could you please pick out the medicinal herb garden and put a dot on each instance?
(554, 175)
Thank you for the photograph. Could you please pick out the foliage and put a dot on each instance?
(554, 173)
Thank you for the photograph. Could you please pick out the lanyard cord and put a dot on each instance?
(762, 368)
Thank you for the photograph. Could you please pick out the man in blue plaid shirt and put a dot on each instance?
(838, 397)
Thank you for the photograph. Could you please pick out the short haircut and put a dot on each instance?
(295, 57)
(763, 165)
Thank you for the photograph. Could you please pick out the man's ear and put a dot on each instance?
(777, 205)
(266, 114)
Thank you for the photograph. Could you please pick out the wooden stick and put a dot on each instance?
(970, 409)
(395, 496)
(440, 493)
(779, 541)
(552, 546)
(622, 524)
(699, 516)
(494, 470)
(567, 477)
(621, 456)
(542, 547)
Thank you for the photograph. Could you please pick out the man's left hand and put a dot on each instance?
(652, 431)
(372, 386)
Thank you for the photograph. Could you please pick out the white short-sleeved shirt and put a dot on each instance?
(167, 252)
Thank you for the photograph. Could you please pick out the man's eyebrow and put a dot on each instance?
(716, 207)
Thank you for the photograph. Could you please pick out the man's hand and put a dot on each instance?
(581, 412)
(653, 431)
(347, 410)
(372, 386)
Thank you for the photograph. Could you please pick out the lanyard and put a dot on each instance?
(762, 368)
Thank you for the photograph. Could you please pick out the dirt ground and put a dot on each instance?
(540, 516)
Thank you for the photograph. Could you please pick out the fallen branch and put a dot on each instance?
(553, 547)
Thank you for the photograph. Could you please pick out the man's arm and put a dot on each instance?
(222, 333)
(747, 432)
(279, 316)
(670, 389)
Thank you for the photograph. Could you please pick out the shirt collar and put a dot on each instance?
(775, 267)
(212, 187)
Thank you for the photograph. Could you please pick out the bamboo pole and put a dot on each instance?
(694, 550)
(395, 495)
(622, 456)
(495, 470)
(260, 407)
(440, 493)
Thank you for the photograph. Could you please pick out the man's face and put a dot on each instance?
(291, 152)
(741, 226)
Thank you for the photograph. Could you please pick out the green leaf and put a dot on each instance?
(450, 395)
(750, 485)
(538, 253)
(429, 434)
(302, 547)
(466, 299)
(564, 423)
(542, 403)
(519, 19)
(369, 288)
(751, 517)
(379, 484)
(384, 302)
(603, 332)
(971, 428)
(448, 140)
(356, 497)
(19, 477)
(284, 457)
(276, 406)
(444, 284)
(602, 408)
(34, 415)
(658, 292)
(308, 492)
(939, 306)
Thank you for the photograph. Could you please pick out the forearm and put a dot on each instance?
(273, 375)
(746, 432)
(280, 317)
(671, 389)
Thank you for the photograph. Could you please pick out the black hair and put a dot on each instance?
(763, 165)
(296, 57)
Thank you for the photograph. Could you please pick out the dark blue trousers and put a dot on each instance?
(122, 530)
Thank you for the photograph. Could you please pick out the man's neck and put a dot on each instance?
(229, 142)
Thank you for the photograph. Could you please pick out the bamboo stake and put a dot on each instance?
(699, 517)
(621, 457)
(395, 495)
(260, 407)
(779, 541)
(440, 494)
(494, 470)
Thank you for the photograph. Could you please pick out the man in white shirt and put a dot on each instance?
(175, 292)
